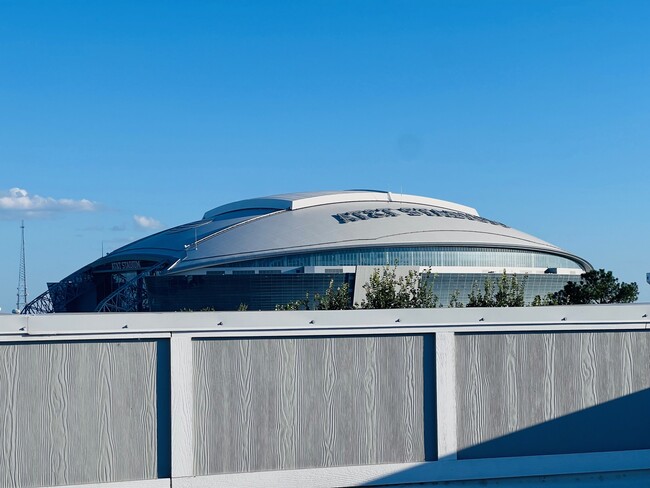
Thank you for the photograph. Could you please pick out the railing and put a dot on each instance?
(315, 398)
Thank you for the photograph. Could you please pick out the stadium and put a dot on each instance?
(264, 252)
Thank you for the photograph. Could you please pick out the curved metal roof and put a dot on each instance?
(307, 222)
(295, 201)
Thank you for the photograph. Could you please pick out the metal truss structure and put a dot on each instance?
(132, 295)
(42, 304)
(21, 296)
(60, 294)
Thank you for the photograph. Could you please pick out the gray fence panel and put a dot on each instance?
(77, 412)
(552, 393)
(265, 404)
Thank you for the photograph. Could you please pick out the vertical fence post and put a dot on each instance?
(446, 396)
(182, 405)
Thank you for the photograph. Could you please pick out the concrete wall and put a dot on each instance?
(78, 412)
(552, 393)
(324, 398)
(308, 402)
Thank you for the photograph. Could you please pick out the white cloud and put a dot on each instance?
(17, 201)
(146, 222)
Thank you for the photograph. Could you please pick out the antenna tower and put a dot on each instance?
(21, 296)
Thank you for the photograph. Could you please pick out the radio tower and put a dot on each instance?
(21, 296)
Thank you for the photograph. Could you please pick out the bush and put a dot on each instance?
(385, 290)
(338, 299)
(297, 305)
(595, 286)
(506, 292)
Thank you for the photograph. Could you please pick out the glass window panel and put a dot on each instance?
(417, 256)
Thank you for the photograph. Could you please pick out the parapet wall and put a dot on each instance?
(324, 398)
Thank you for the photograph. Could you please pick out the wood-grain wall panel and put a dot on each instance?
(552, 393)
(264, 404)
(77, 412)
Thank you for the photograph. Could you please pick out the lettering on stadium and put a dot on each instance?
(380, 213)
(125, 265)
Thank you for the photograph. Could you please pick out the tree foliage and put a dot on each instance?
(595, 286)
(455, 301)
(332, 299)
(508, 291)
(338, 299)
(386, 290)
(295, 305)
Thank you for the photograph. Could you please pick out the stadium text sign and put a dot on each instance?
(380, 213)
(125, 265)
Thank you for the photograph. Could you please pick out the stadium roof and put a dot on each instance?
(295, 201)
(321, 221)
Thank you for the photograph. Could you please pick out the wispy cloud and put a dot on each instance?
(18, 202)
(100, 228)
(148, 223)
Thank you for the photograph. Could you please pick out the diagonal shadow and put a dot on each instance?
(621, 424)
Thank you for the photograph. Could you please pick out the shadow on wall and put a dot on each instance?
(622, 424)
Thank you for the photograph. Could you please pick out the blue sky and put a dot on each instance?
(127, 116)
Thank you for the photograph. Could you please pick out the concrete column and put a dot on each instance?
(446, 396)
(182, 406)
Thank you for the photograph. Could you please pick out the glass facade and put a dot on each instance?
(416, 256)
(265, 291)
(260, 285)
(228, 292)
(444, 285)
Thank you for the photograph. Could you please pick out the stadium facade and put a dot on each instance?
(268, 251)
